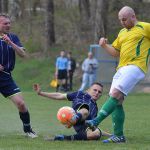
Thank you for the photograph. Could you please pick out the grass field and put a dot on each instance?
(44, 122)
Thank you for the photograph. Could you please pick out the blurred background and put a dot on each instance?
(46, 27)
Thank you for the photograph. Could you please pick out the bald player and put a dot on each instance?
(132, 46)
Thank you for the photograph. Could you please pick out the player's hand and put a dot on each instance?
(103, 42)
(6, 38)
(37, 88)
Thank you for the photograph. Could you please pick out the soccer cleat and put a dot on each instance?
(31, 134)
(115, 139)
(59, 138)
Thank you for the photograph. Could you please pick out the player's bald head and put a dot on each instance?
(126, 10)
(127, 17)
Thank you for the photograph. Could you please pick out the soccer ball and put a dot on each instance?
(66, 115)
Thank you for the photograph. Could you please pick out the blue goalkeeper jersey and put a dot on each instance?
(7, 53)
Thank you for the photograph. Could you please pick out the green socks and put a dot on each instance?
(108, 107)
(118, 118)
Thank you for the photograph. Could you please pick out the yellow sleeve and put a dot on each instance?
(116, 44)
(147, 30)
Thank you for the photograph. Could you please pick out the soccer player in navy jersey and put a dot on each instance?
(9, 46)
(85, 106)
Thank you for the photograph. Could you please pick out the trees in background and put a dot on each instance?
(100, 22)
(47, 23)
(85, 14)
(4, 6)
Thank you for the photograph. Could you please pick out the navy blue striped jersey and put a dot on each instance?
(79, 98)
(7, 53)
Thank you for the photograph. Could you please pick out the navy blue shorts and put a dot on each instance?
(7, 85)
(62, 74)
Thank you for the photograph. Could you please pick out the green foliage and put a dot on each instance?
(32, 45)
(34, 70)
(44, 122)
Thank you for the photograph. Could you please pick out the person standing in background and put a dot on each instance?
(71, 69)
(61, 71)
(89, 67)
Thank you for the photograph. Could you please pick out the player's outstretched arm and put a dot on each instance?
(57, 96)
(111, 50)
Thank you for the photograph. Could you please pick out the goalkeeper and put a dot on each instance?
(84, 103)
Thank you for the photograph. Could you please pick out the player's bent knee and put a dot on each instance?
(21, 106)
(118, 95)
(94, 135)
(84, 113)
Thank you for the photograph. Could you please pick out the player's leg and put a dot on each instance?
(87, 134)
(129, 78)
(81, 113)
(59, 78)
(123, 82)
(111, 103)
(12, 91)
(118, 117)
(70, 80)
(64, 80)
(105, 111)
(84, 113)
(93, 134)
(85, 80)
(108, 107)
(75, 137)
(24, 114)
(92, 78)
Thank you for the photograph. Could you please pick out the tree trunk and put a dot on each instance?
(100, 19)
(14, 9)
(22, 8)
(4, 6)
(49, 24)
(84, 8)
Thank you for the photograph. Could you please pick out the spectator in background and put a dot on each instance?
(71, 69)
(61, 71)
(89, 67)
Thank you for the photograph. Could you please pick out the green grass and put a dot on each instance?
(44, 122)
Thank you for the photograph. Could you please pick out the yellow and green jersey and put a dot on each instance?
(134, 45)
